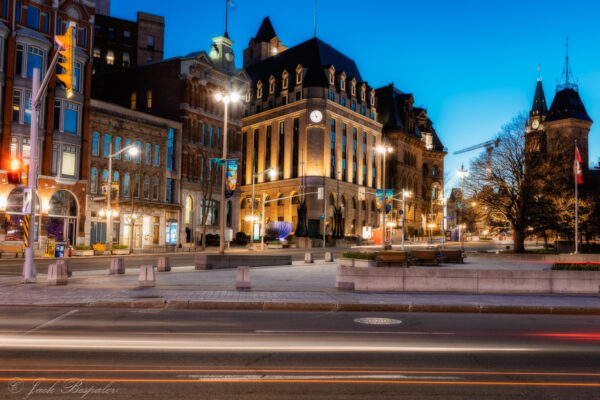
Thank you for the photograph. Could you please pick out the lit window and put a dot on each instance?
(106, 147)
(126, 184)
(148, 153)
(259, 90)
(171, 150)
(110, 57)
(148, 98)
(126, 59)
(127, 144)
(248, 95)
(93, 180)
(299, 75)
(97, 52)
(68, 160)
(138, 156)
(271, 85)
(117, 147)
(133, 100)
(284, 82)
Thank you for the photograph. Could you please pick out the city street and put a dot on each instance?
(166, 354)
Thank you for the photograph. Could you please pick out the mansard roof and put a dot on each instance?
(567, 104)
(313, 55)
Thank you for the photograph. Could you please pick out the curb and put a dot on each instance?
(323, 307)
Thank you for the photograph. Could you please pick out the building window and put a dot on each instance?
(95, 140)
(171, 150)
(148, 153)
(104, 180)
(111, 33)
(332, 172)
(344, 146)
(35, 57)
(268, 151)
(354, 146)
(19, 60)
(343, 82)
(126, 59)
(126, 184)
(146, 187)
(59, 26)
(18, 12)
(150, 42)
(244, 154)
(93, 180)
(117, 147)
(210, 135)
(127, 144)
(77, 73)
(16, 108)
(353, 106)
(138, 156)
(259, 90)
(71, 118)
(155, 189)
(353, 89)
(4, 8)
(97, 53)
(148, 98)
(133, 102)
(332, 96)
(126, 37)
(298, 95)
(284, 82)
(281, 155)
(68, 160)
(82, 37)
(156, 155)
(33, 17)
(271, 85)
(295, 147)
(372, 99)
(136, 186)
(255, 152)
(299, 76)
(331, 81)
(106, 147)
(362, 94)
(170, 189)
(343, 101)
(110, 57)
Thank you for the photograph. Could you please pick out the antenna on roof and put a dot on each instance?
(539, 73)
(569, 81)
(315, 18)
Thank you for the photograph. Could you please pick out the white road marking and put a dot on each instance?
(360, 332)
(45, 324)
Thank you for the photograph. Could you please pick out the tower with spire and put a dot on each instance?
(264, 45)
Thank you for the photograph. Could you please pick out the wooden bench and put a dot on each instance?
(424, 257)
(452, 256)
(391, 258)
(12, 248)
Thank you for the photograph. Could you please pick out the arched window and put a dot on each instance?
(116, 176)
(267, 198)
(155, 189)
(279, 200)
(126, 184)
(136, 186)
(331, 200)
(104, 180)
(425, 170)
(93, 180)
(434, 192)
(243, 203)
(95, 140)
(147, 187)
(354, 203)
(295, 199)
(364, 206)
(434, 171)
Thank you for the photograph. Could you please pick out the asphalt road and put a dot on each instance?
(167, 354)
(14, 266)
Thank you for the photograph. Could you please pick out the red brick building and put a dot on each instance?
(27, 30)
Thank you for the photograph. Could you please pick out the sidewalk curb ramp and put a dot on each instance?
(335, 307)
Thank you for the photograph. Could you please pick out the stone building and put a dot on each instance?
(183, 89)
(416, 163)
(311, 116)
(145, 187)
(27, 30)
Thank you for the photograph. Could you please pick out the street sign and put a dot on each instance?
(322, 216)
(449, 217)
(320, 193)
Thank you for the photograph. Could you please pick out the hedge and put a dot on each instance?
(583, 266)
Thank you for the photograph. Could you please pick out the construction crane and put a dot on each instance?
(489, 146)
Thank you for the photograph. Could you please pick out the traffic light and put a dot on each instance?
(67, 43)
(14, 175)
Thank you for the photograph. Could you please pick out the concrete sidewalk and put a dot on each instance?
(296, 287)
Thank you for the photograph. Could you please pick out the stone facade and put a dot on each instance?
(146, 186)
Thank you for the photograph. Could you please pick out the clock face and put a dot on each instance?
(316, 116)
(535, 124)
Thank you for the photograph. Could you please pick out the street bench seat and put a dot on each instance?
(15, 249)
(391, 258)
(452, 256)
(424, 257)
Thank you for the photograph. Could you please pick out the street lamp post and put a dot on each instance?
(133, 151)
(384, 150)
(224, 97)
(405, 194)
(462, 174)
(272, 173)
(444, 219)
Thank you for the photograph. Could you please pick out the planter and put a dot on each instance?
(83, 253)
(357, 262)
(120, 252)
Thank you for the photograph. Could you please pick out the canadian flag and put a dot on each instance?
(578, 161)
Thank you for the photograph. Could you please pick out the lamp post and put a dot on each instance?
(384, 150)
(224, 97)
(405, 194)
(462, 174)
(443, 225)
(272, 173)
(133, 151)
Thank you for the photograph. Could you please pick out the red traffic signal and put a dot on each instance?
(14, 175)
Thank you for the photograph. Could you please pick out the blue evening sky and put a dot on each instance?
(472, 64)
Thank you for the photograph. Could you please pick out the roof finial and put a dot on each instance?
(539, 73)
(568, 80)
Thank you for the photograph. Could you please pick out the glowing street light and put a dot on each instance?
(384, 150)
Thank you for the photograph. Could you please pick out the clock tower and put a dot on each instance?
(535, 137)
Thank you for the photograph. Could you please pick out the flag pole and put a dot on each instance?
(576, 201)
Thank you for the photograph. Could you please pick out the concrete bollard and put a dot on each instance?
(164, 264)
(117, 266)
(328, 256)
(146, 276)
(308, 258)
(57, 274)
(243, 278)
(68, 264)
(200, 262)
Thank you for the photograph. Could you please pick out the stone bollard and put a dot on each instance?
(308, 258)
(243, 278)
(146, 276)
(57, 274)
(328, 256)
(164, 264)
(68, 264)
(117, 266)
(201, 262)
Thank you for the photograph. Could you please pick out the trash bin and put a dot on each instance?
(59, 250)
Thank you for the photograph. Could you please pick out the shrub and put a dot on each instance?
(583, 266)
(83, 247)
(361, 255)
(274, 243)
(119, 247)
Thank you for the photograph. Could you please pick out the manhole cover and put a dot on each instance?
(378, 321)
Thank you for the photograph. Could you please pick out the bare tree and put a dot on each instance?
(208, 178)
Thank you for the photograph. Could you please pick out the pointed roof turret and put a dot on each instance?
(266, 31)
(539, 107)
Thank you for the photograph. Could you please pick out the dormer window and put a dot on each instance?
(353, 88)
(284, 81)
(372, 98)
(259, 90)
(272, 85)
(331, 75)
(362, 93)
(299, 74)
(343, 81)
